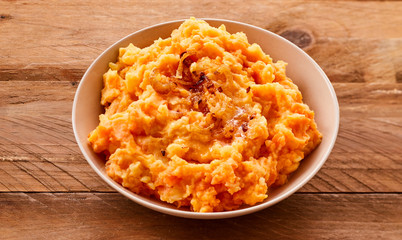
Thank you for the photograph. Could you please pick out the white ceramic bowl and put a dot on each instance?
(317, 92)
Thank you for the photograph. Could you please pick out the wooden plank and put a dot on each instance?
(48, 176)
(349, 47)
(109, 215)
(27, 98)
(342, 60)
(40, 73)
(38, 150)
(54, 98)
(357, 60)
(46, 167)
(350, 172)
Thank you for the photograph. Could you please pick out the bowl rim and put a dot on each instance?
(210, 215)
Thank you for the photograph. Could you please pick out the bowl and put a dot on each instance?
(317, 92)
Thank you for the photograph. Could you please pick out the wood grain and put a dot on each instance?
(47, 190)
(106, 216)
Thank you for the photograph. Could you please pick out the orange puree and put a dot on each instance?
(202, 119)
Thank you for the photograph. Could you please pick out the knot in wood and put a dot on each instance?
(398, 76)
(4, 17)
(302, 38)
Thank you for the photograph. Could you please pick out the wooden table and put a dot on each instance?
(47, 189)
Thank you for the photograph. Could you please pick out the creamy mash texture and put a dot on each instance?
(202, 119)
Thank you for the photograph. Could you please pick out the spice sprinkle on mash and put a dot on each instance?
(202, 119)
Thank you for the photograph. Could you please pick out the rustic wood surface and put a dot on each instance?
(47, 190)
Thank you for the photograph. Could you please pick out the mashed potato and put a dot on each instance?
(202, 119)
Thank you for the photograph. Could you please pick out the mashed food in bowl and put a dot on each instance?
(202, 119)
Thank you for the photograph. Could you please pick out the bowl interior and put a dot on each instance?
(305, 73)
